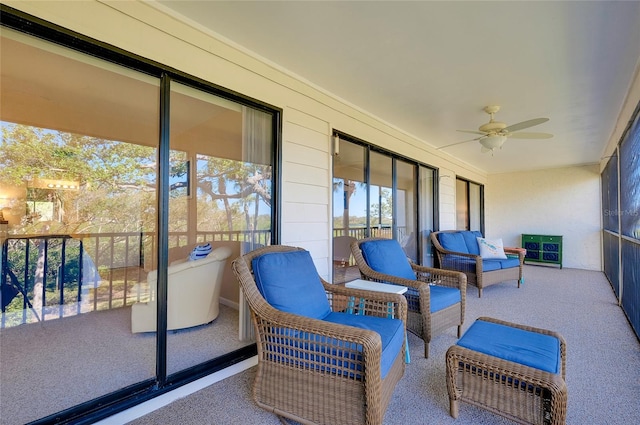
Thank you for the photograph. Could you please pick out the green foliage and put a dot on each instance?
(116, 200)
(23, 257)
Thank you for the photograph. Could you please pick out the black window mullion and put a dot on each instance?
(367, 179)
(163, 231)
(394, 199)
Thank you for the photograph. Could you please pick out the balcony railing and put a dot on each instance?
(385, 231)
(44, 277)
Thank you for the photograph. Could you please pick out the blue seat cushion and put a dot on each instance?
(490, 265)
(386, 256)
(324, 353)
(289, 282)
(517, 345)
(509, 263)
(471, 241)
(442, 297)
(391, 333)
(453, 242)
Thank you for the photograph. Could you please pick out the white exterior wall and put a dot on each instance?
(306, 184)
(563, 201)
(447, 201)
(310, 114)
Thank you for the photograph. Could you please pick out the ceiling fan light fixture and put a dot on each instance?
(492, 142)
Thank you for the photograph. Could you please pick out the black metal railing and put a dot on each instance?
(363, 232)
(44, 277)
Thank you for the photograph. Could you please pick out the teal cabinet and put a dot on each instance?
(543, 249)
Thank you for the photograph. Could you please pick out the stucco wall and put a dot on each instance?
(562, 201)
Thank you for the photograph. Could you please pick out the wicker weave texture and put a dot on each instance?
(521, 393)
(316, 372)
(476, 276)
(421, 321)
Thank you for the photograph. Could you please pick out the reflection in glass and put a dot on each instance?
(406, 210)
(78, 165)
(221, 197)
(462, 205)
(380, 196)
(426, 214)
(475, 206)
(379, 204)
(349, 208)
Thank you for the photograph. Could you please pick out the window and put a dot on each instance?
(378, 194)
(469, 205)
(82, 166)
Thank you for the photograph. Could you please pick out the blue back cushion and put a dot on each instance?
(453, 242)
(471, 242)
(289, 282)
(508, 343)
(386, 256)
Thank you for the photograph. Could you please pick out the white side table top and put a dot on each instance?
(376, 286)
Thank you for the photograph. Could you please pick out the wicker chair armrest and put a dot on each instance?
(442, 277)
(462, 254)
(374, 303)
(515, 251)
(279, 319)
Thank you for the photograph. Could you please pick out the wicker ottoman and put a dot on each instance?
(512, 370)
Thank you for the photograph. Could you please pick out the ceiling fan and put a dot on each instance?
(494, 133)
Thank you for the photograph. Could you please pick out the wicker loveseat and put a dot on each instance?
(458, 250)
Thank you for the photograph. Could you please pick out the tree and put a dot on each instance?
(115, 180)
(111, 187)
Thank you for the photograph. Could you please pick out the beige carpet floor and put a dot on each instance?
(49, 366)
(603, 366)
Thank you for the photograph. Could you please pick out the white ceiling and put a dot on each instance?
(429, 67)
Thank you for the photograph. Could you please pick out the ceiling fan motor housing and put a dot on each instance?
(492, 127)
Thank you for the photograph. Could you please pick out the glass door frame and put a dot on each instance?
(368, 148)
(467, 184)
(109, 404)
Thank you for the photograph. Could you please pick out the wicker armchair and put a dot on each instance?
(320, 370)
(477, 271)
(429, 313)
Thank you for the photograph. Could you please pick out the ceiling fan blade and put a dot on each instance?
(526, 135)
(525, 124)
(459, 143)
(472, 132)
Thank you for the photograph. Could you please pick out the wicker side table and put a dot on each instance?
(524, 394)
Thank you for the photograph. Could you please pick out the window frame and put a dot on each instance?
(105, 406)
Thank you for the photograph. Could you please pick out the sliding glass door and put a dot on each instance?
(219, 201)
(378, 194)
(469, 205)
(111, 179)
(78, 182)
